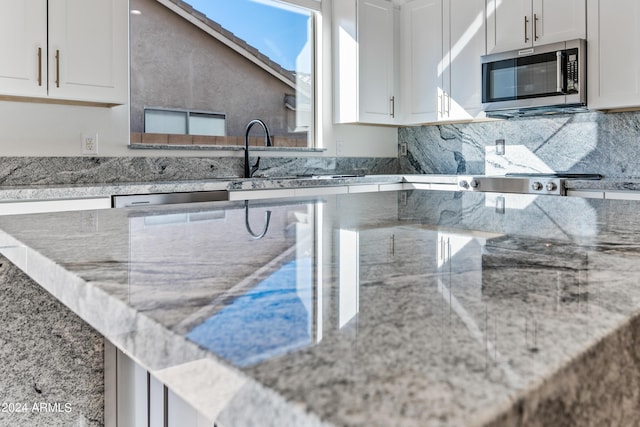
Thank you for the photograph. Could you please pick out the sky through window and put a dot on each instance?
(273, 28)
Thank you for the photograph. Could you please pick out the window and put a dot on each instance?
(247, 58)
(184, 122)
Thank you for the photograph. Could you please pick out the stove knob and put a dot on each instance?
(551, 186)
(474, 183)
(463, 184)
(536, 186)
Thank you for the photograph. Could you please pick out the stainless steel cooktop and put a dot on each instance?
(544, 184)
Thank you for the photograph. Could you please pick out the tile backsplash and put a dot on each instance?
(589, 142)
(96, 170)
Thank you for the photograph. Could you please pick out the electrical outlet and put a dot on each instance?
(500, 148)
(339, 147)
(500, 205)
(403, 149)
(89, 143)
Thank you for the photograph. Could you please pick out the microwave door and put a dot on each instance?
(538, 75)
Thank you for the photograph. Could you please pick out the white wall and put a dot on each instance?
(32, 129)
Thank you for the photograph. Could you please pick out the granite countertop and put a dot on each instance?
(70, 191)
(419, 308)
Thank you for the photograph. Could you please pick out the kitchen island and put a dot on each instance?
(409, 308)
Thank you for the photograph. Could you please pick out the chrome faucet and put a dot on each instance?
(250, 170)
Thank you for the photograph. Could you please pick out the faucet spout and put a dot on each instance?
(248, 169)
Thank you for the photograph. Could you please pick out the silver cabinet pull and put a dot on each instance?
(39, 66)
(393, 106)
(57, 68)
(526, 21)
(447, 104)
(535, 27)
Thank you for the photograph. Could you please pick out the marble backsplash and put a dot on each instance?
(91, 170)
(589, 142)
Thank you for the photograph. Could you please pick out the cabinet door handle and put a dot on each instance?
(526, 21)
(447, 104)
(393, 106)
(440, 106)
(57, 68)
(535, 27)
(39, 66)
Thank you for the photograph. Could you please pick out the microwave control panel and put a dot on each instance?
(572, 70)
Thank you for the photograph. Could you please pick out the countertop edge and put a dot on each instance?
(99, 190)
(88, 302)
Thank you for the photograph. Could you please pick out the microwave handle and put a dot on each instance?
(559, 76)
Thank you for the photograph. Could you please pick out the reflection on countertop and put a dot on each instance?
(411, 308)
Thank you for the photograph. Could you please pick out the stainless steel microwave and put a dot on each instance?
(544, 77)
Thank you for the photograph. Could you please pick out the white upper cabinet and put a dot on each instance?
(466, 44)
(64, 51)
(442, 42)
(518, 24)
(23, 47)
(364, 62)
(614, 28)
(422, 69)
(86, 41)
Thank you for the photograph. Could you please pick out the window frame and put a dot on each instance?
(187, 114)
(314, 7)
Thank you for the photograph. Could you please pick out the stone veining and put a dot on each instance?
(578, 143)
(504, 326)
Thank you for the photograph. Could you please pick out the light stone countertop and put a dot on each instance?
(78, 191)
(74, 191)
(375, 309)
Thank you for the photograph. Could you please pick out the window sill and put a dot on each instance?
(138, 146)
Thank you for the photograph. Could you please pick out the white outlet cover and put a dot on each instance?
(89, 143)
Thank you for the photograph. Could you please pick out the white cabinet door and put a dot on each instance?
(86, 41)
(559, 20)
(614, 33)
(422, 86)
(509, 25)
(466, 44)
(23, 47)
(376, 62)
(518, 24)
(135, 398)
(364, 56)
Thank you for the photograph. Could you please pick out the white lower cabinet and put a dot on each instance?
(131, 392)
(54, 205)
(260, 194)
(323, 190)
(135, 398)
(156, 403)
